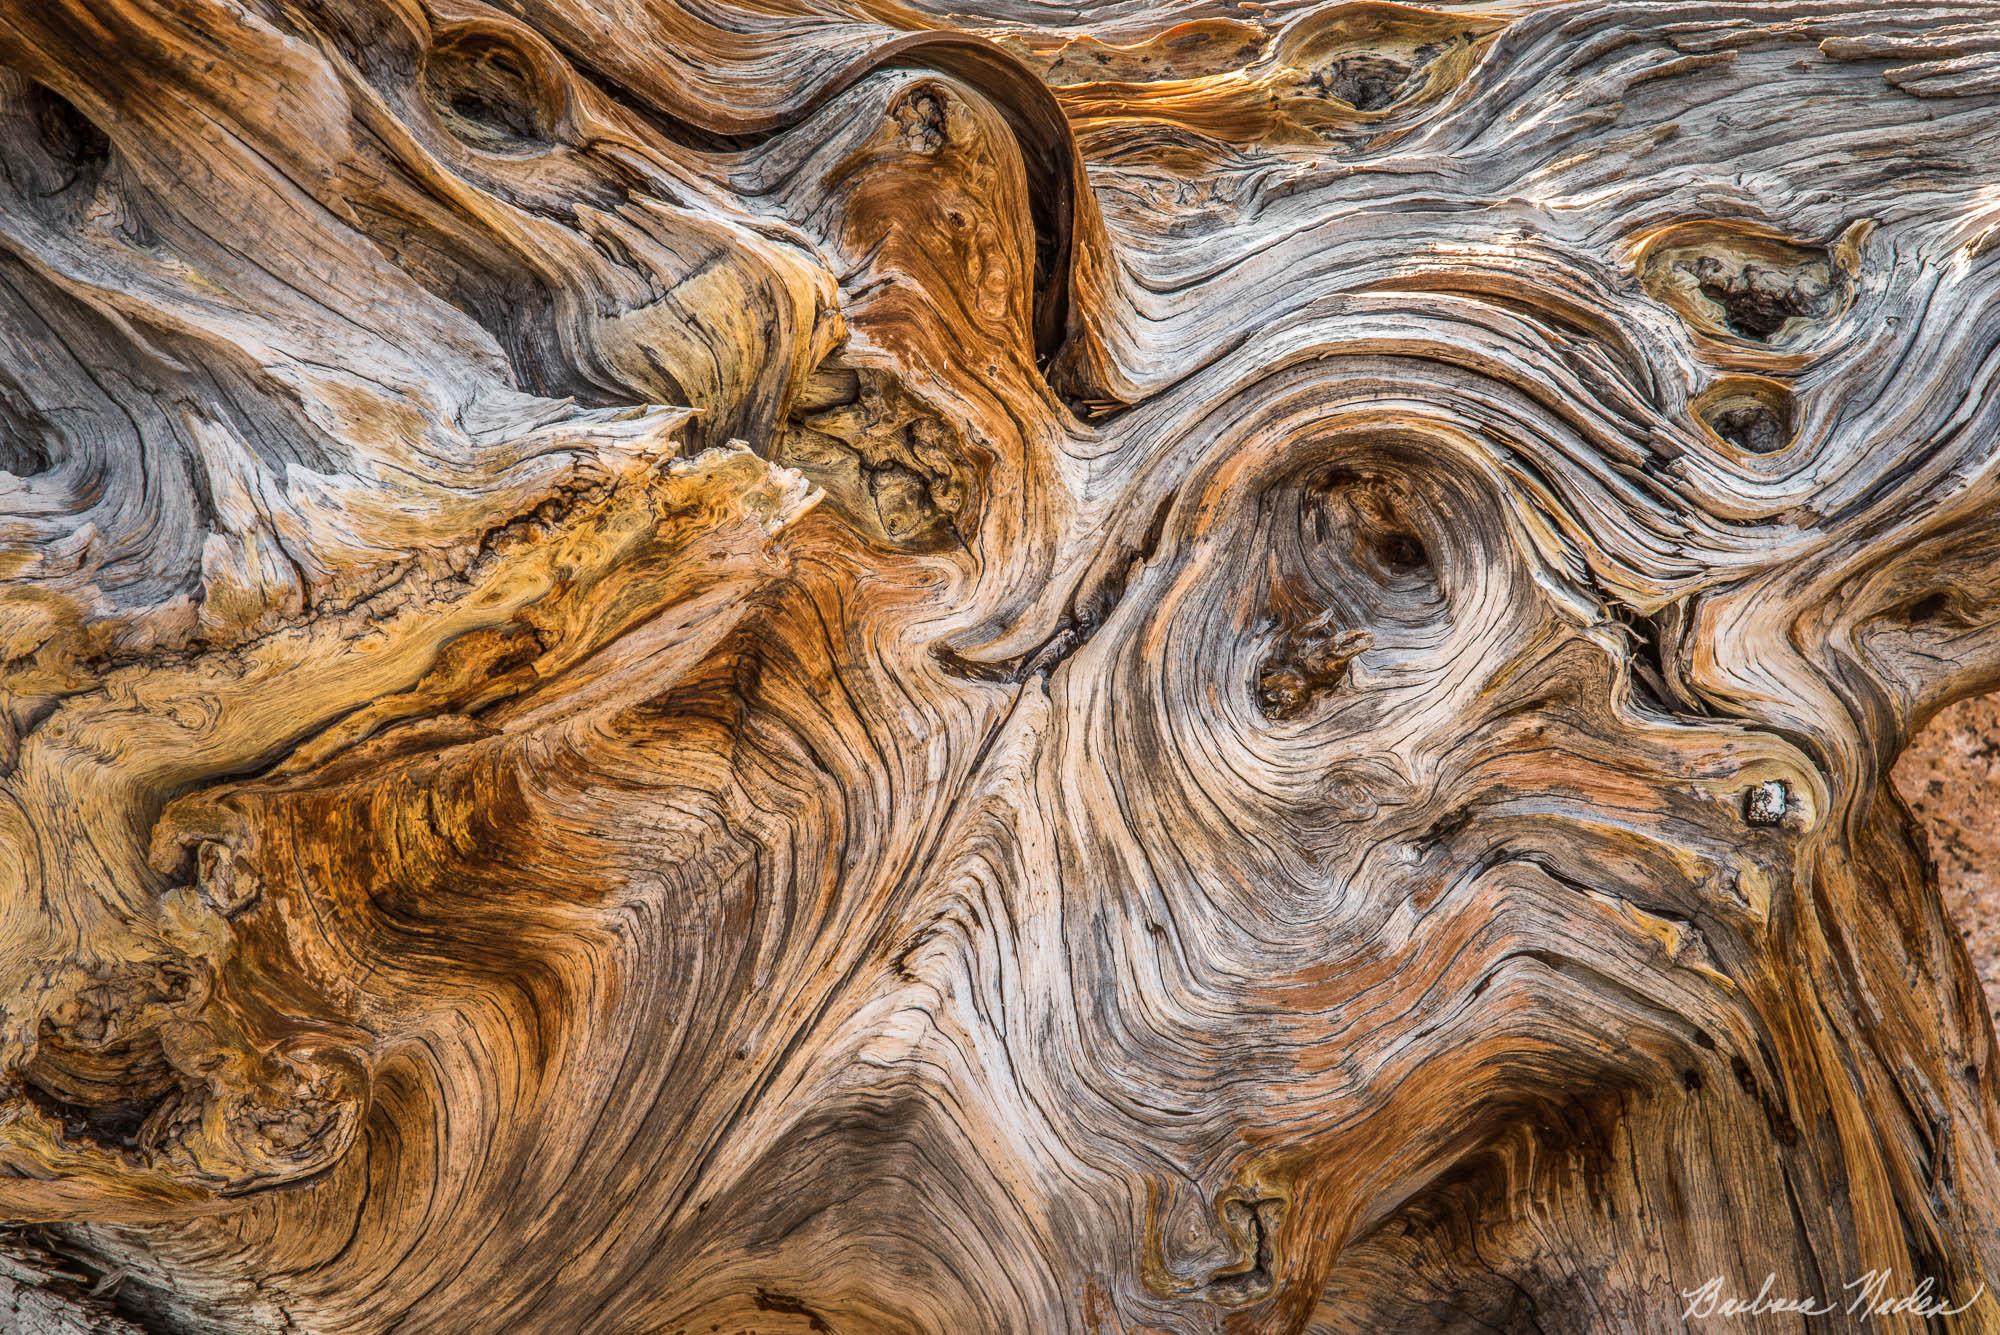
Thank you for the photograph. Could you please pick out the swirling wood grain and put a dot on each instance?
(832, 665)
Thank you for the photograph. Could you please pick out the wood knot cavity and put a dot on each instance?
(1749, 412)
(1767, 803)
(74, 145)
(99, 1071)
(224, 884)
(1753, 427)
(260, 1119)
(1934, 608)
(1372, 58)
(490, 92)
(1747, 283)
(26, 435)
(1757, 299)
(1307, 663)
(1365, 80)
(1253, 1226)
(920, 117)
(893, 466)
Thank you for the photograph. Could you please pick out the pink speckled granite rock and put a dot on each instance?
(1950, 775)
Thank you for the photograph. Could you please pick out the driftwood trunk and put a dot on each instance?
(809, 665)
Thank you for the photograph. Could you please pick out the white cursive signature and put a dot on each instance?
(1868, 1296)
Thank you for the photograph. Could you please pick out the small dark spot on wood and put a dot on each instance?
(768, 1301)
(1003, 672)
(1402, 553)
(1445, 826)
(1930, 607)
(1782, 1127)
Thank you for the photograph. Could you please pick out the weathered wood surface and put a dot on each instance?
(813, 665)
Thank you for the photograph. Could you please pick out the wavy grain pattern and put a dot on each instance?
(827, 665)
